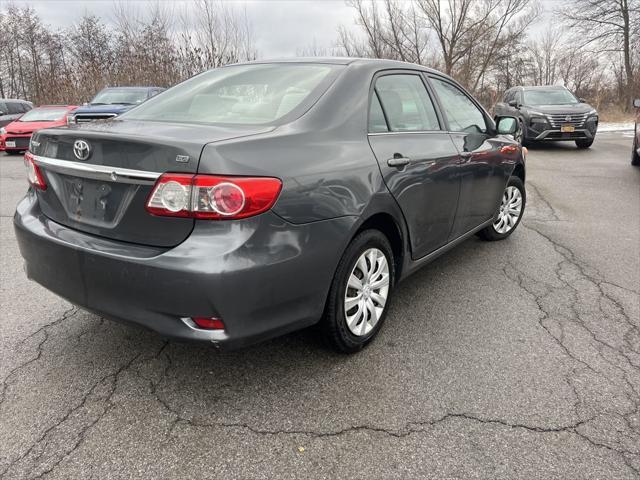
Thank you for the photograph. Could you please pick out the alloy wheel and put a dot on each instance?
(510, 210)
(367, 291)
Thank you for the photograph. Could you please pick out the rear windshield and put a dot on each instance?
(242, 94)
(120, 96)
(548, 97)
(44, 115)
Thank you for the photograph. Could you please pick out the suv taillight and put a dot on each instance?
(34, 175)
(212, 196)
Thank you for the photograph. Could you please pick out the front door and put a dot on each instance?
(418, 159)
(484, 169)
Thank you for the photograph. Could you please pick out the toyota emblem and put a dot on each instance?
(81, 149)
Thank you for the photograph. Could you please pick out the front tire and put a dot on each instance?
(360, 292)
(509, 213)
(582, 144)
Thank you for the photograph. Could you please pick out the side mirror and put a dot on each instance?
(85, 104)
(513, 103)
(1, 113)
(636, 103)
(507, 125)
(582, 100)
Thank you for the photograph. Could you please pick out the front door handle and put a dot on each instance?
(398, 161)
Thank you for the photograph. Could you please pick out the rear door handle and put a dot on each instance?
(398, 161)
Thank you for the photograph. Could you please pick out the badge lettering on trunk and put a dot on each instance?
(182, 158)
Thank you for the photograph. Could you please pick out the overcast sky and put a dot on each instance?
(281, 28)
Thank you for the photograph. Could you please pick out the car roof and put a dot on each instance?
(378, 62)
(56, 106)
(15, 100)
(129, 87)
(541, 87)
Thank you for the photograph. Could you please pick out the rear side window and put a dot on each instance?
(462, 113)
(377, 122)
(406, 103)
(3, 108)
(14, 108)
(241, 94)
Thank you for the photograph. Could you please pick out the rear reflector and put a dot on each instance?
(208, 323)
(34, 175)
(211, 196)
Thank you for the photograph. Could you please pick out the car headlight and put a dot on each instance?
(538, 114)
(3, 130)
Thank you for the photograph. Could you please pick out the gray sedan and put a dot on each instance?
(261, 198)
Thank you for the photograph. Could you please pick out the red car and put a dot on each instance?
(16, 135)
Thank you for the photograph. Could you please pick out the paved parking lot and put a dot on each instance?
(515, 359)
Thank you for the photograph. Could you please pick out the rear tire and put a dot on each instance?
(635, 158)
(509, 212)
(582, 144)
(355, 311)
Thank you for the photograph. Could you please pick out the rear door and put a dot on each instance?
(418, 160)
(484, 169)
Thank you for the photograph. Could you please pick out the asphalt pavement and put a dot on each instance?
(514, 359)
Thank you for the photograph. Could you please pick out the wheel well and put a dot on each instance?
(519, 172)
(387, 225)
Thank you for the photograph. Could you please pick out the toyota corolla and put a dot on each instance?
(257, 199)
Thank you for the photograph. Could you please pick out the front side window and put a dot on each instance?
(461, 111)
(241, 94)
(14, 108)
(508, 96)
(406, 103)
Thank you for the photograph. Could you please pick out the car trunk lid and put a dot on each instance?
(104, 191)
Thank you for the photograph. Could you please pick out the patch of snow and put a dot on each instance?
(615, 127)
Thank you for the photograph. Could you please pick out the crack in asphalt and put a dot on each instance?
(38, 353)
(110, 381)
(569, 272)
(544, 201)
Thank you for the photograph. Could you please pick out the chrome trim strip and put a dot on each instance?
(97, 172)
(412, 132)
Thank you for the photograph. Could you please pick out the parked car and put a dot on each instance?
(261, 198)
(11, 109)
(550, 114)
(16, 135)
(112, 101)
(635, 151)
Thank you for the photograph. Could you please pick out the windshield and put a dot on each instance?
(548, 97)
(44, 115)
(122, 96)
(242, 94)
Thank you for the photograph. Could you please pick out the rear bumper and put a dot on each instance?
(262, 276)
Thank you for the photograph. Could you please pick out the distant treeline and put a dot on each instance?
(593, 46)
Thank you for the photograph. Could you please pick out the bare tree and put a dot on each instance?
(608, 26)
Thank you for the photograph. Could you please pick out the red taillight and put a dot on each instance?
(209, 323)
(211, 196)
(34, 175)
